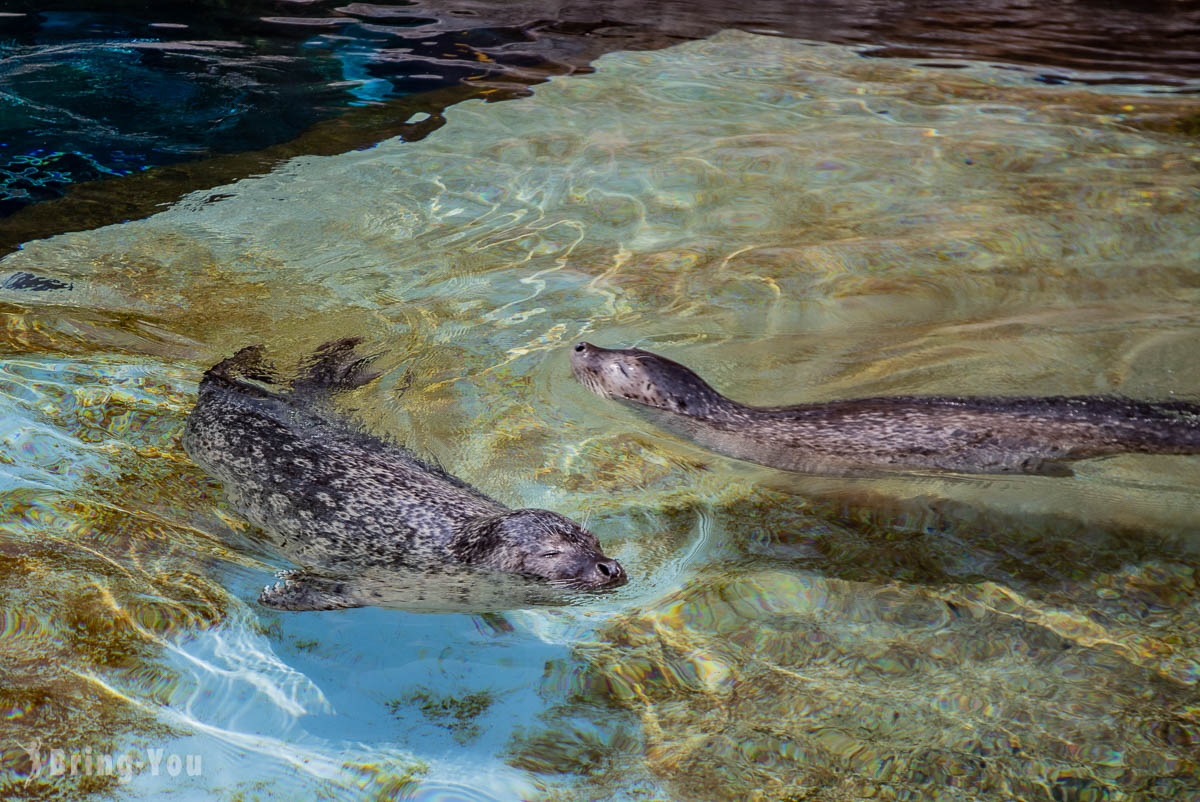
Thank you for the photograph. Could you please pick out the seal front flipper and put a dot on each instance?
(248, 363)
(1048, 467)
(335, 368)
(301, 592)
(1008, 463)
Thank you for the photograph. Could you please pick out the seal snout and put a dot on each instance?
(587, 366)
(605, 573)
(585, 350)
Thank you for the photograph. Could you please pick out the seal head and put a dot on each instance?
(539, 544)
(631, 374)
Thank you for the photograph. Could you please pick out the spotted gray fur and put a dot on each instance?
(344, 503)
(967, 434)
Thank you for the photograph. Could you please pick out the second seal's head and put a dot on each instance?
(631, 374)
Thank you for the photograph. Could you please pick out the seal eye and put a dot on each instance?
(551, 553)
(579, 348)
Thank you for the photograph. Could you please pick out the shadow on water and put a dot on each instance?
(931, 541)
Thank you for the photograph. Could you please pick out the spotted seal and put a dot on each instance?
(367, 519)
(960, 434)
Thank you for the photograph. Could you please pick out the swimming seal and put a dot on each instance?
(961, 434)
(358, 512)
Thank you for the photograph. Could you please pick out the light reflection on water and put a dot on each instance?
(794, 222)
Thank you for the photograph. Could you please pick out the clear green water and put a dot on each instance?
(793, 221)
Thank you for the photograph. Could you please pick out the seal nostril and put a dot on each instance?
(610, 571)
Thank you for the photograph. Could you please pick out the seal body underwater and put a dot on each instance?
(984, 434)
(344, 503)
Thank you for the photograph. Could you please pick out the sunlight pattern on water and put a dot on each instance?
(795, 222)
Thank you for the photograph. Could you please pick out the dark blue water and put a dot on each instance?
(88, 94)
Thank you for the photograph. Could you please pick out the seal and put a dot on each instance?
(348, 505)
(967, 434)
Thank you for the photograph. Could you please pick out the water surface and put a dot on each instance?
(794, 221)
(165, 96)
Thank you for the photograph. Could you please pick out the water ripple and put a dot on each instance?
(797, 222)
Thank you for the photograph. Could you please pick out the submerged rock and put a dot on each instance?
(778, 684)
